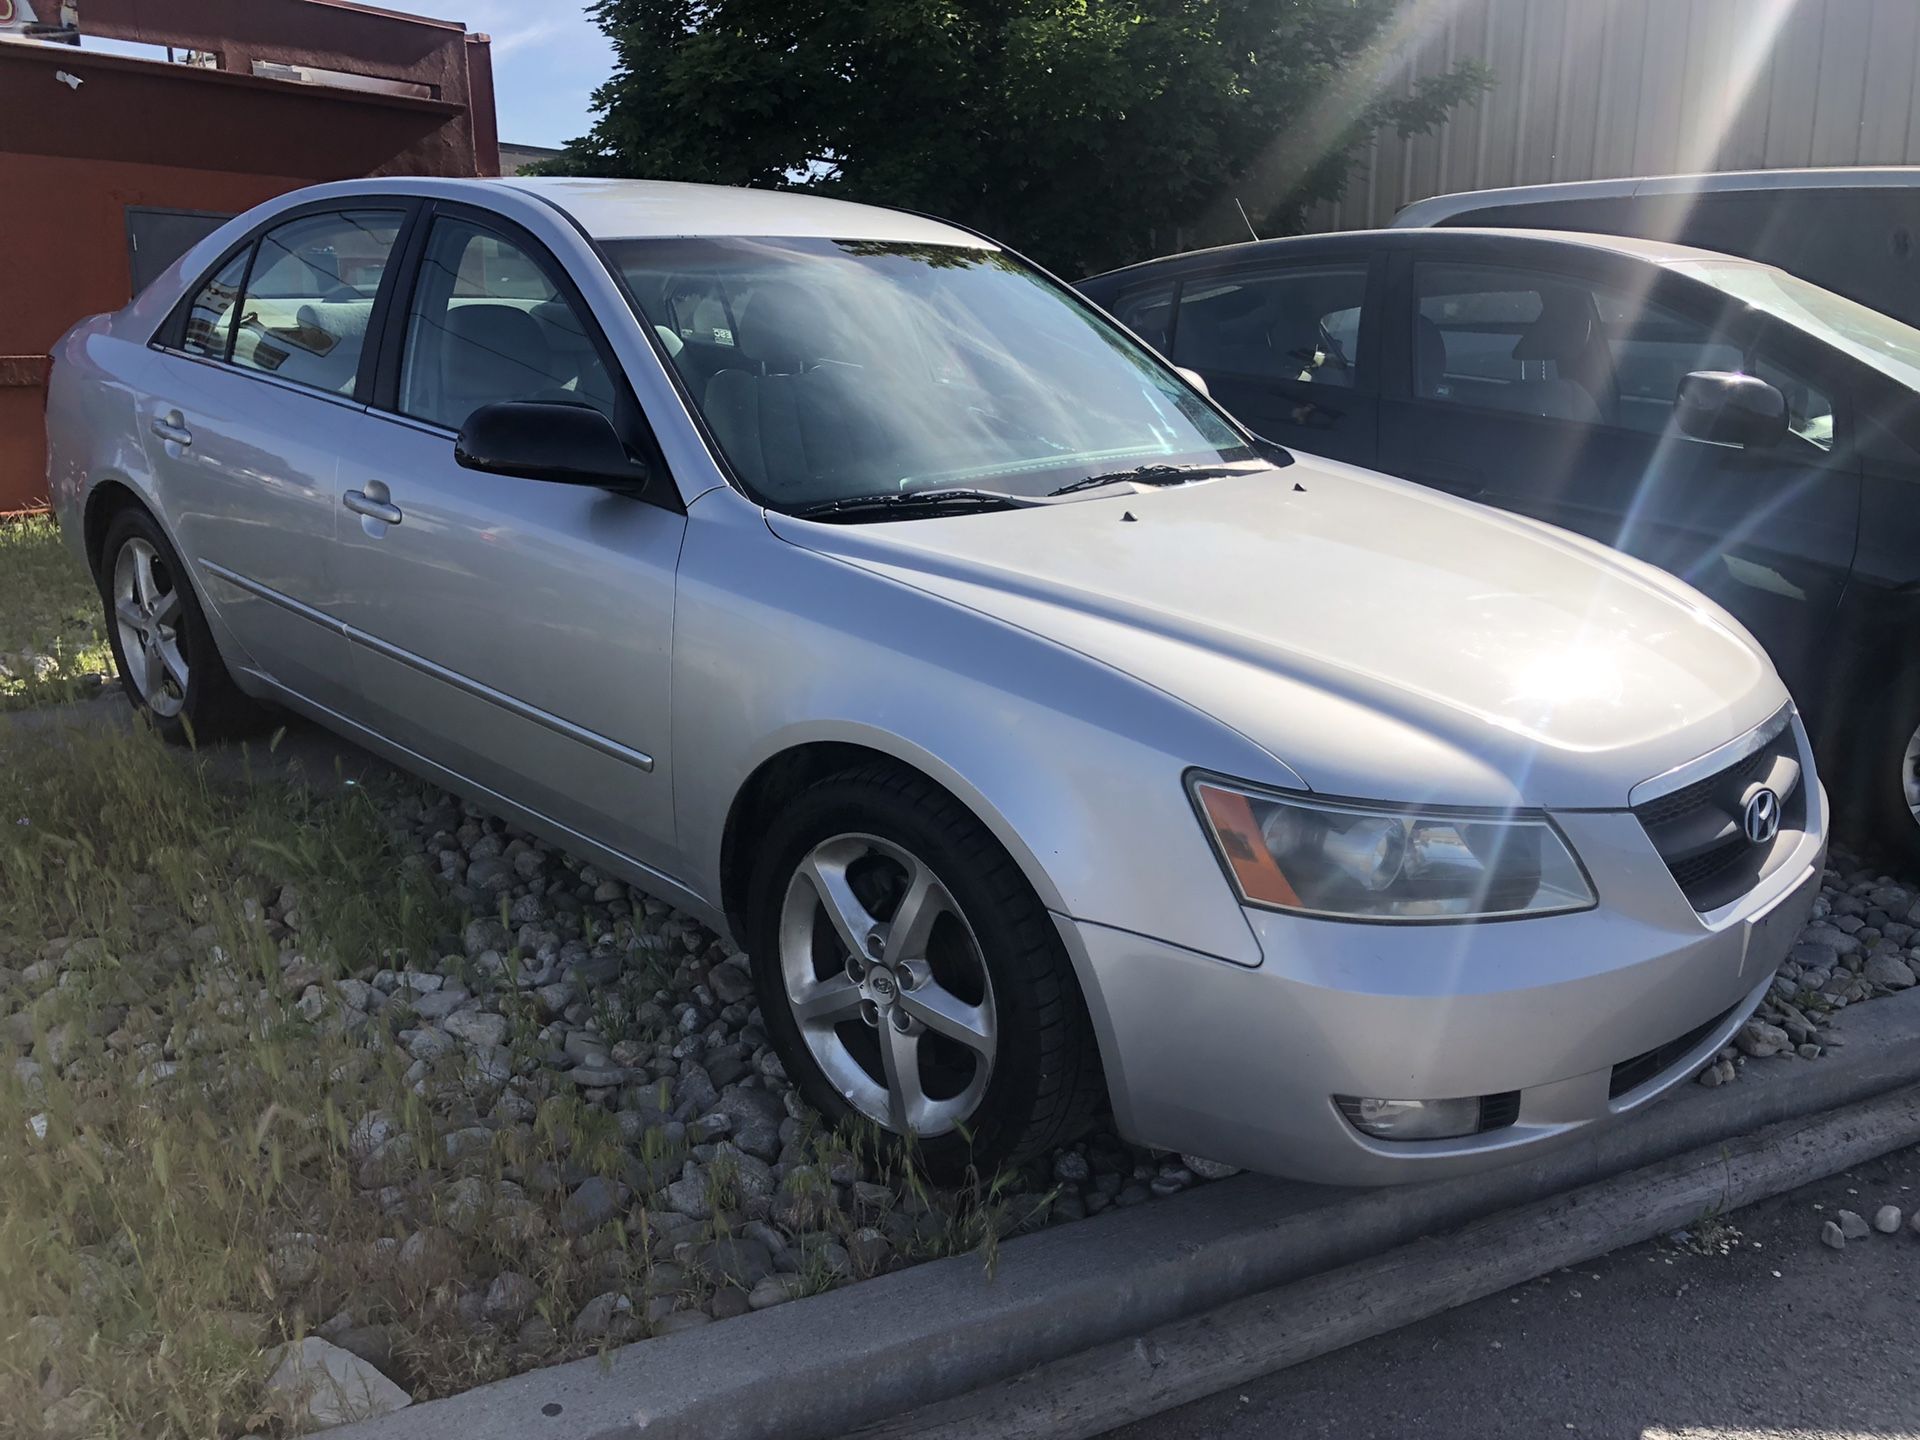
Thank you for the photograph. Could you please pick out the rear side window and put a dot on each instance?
(1555, 346)
(210, 313)
(309, 297)
(488, 324)
(1298, 325)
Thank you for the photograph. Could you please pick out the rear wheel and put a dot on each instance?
(168, 664)
(910, 976)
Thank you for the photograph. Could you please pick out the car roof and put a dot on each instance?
(628, 209)
(1438, 208)
(1656, 252)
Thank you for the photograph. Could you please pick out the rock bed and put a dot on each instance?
(1859, 943)
(649, 1018)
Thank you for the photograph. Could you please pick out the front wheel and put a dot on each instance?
(909, 975)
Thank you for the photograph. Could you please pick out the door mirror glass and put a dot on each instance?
(1194, 378)
(1728, 408)
(566, 443)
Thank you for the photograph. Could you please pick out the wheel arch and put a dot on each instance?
(797, 764)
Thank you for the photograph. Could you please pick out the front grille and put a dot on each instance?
(1632, 1074)
(1699, 828)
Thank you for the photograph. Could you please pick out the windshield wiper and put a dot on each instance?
(1147, 475)
(922, 501)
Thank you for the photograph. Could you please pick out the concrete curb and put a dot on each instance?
(1088, 1394)
(830, 1364)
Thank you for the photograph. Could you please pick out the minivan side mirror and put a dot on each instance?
(1730, 409)
(547, 440)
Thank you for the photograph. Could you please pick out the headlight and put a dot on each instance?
(1357, 862)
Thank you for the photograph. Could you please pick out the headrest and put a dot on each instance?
(784, 326)
(1563, 329)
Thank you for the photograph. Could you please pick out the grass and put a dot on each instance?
(52, 644)
(185, 1108)
(180, 1146)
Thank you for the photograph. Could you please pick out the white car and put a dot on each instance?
(1047, 740)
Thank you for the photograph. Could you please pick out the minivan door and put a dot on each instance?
(1288, 347)
(516, 632)
(1551, 393)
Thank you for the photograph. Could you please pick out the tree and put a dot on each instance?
(1084, 132)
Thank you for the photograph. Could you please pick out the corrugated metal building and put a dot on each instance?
(1594, 89)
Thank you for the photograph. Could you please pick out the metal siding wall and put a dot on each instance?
(1595, 89)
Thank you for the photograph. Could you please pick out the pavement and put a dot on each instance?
(1779, 1337)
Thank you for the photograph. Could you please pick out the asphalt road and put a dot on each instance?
(1779, 1337)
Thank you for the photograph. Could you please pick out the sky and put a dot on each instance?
(548, 58)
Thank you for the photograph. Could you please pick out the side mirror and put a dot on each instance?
(1195, 379)
(1730, 409)
(546, 440)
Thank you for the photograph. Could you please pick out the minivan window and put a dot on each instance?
(1300, 325)
(310, 297)
(1555, 346)
(487, 324)
(836, 368)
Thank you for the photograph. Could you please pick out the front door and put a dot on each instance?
(241, 427)
(1287, 349)
(1552, 394)
(516, 632)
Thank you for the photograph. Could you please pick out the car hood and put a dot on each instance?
(1378, 639)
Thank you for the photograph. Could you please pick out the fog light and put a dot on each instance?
(1412, 1119)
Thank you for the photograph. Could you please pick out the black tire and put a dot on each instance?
(1045, 1086)
(212, 707)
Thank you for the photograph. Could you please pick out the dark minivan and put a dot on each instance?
(1849, 229)
(1733, 424)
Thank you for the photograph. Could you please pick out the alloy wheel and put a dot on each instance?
(888, 984)
(147, 611)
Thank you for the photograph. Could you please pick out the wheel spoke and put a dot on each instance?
(175, 662)
(140, 662)
(913, 919)
(828, 1003)
(129, 613)
(167, 611)
(900, 1058)
(143, 581)
(851, 922)
(945, 1013)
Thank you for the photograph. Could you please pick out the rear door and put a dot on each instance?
(1289, 346)
(1548, 389)
(263, 365)
(516, 632)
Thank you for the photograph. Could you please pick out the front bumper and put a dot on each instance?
(1241, 1064)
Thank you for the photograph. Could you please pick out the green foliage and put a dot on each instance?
(51, 637)
(1084, 132)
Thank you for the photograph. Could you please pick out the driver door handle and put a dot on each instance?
(373, 507)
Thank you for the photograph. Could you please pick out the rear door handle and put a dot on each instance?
(362, 503)
(173, 429)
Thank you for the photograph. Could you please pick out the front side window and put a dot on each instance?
(486, 325)
(1148, 312)
(1555, 346)
(1299, 325)
(310, 295)
(211, 312)
(836, 368)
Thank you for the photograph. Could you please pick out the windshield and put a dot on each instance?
(830, 369)
(1887, 344)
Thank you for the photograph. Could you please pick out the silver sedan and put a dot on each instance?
(1050, 742)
